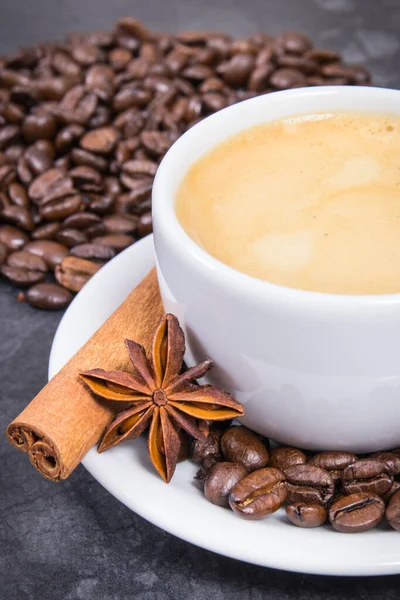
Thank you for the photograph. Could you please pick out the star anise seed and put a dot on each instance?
(161, 397)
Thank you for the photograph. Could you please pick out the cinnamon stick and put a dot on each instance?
(64, 420)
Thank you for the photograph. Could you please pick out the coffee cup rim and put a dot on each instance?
(166, 223)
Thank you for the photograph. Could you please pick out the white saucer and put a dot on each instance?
(179, 507)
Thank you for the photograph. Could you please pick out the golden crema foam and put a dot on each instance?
(311, 202)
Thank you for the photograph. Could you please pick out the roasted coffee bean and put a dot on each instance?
(68, 136)
(322, 56)
(86, 178)
(294, 42)
(79, 156)
(236, 71)
(390, 458)
(283, 457)
(335, 70)
(63, 162)
(214, 102)
(18, 216)
(18, 195)
(38, 160)
(100, 141)
(51, 252)
(61, 208)
(300, 63)
(197, 73)
(144, 225)
(309, 484)
(124, 204)
(393, 511)
(265, 55)
(242, 446)
(213, 84)
(3, 253)
(357, 512)
(12, 112)
(176, 60)
(117, 241)
(45, 185)
(9, 134)
(10, 78)
(48, 231)
(86, 54)
(244, 46)
(132, 28)
(12, 238)
(203, 448)
(7, 174)
(129, 97)
(26, 260)
(122, 153)
(194, 108)
(306, 515)
(141, 190)
(156, 143)
(258, 494)
(95, 230)
(120, 224)
(44, 145)
(81, 220)
(367, 475)
(71, 237)
(334, 462)
(4, 201)
(72, 273)
(64, 65)
(21, 277)
(136, 168)
(47, 296)
(100, 204)
(35, 127)
(220, 481)
(76, 107)
(51, 88)
(283, 79)
(198, 38)
(25, 95)
(395, 488)
(93, 251)
(119, 58)
(61, 189)
(100, 117)
(103, 39)
(259, 78)
(112, 186)
(12, 154)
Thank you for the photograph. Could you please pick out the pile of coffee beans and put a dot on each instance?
(85, 123)
(239, 470)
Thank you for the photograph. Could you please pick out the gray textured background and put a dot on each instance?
(73, 541)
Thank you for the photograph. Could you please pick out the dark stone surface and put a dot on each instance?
(74, 541)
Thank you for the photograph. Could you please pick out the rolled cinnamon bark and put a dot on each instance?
(64, 420)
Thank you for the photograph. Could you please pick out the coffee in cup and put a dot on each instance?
(309, 202)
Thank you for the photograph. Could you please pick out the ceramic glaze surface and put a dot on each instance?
(316, 370)
(179, 507)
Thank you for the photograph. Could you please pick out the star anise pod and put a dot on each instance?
(161, 397)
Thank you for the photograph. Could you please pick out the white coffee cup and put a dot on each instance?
(319, 371)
